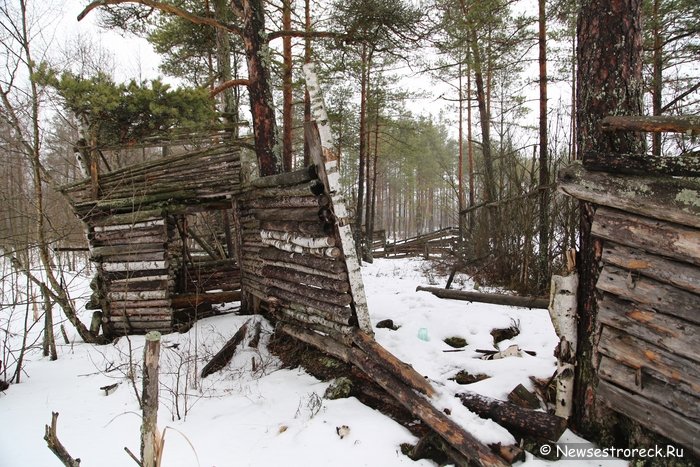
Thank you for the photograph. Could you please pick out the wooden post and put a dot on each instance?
(149, 427)
(327, 162)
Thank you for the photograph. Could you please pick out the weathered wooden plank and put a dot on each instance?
(321, 264)
(286, 201)
(315, 228)
(119, 305)
(193, 300)
(655, 236)
(639, 355)
(342, 277)
(671, 425)
(135, 266)
(665, 198)
(127, 227)
(675, 273)
(289, 296)
(386, 359)
(329, 252)
(321, 295)
(304, 175)
(669, 333)
(287, 214)
(104, 251)
(689, 124)
(650, 388)
(656, 295)
(290, 315)
(140, 285)
(686, 165)
(138, 295)
(289, 275)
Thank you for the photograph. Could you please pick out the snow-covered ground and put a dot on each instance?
(253, 413)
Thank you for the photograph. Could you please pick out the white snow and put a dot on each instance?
(265, 416)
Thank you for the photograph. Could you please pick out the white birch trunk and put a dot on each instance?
(562, 309)
(330, 175)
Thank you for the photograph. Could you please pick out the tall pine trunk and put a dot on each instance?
(543, 259)
(609, 83)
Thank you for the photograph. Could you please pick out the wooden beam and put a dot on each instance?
(685, 165)
(670, 199)
(689, 124)
(497, 299)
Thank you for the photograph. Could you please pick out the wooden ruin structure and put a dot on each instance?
(647, 239)
(290, 254)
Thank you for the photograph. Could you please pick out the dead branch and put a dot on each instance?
(56, 446)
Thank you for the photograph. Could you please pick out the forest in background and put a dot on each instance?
(486, 163)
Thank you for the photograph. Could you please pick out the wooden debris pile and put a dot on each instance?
(433, 244)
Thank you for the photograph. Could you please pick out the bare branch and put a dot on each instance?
(165, 8)
(228, 84)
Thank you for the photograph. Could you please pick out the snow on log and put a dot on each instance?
(497, 299)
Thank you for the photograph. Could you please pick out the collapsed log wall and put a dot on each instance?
(291, 257)
(647, 357)
(145, 278)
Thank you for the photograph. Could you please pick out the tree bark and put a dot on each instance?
(150, 447)
(287, 123)
(543, 218)
(609, 82)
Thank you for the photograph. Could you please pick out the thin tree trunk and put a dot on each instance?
(485, 120)
(362, 149)
(257, 53)
(307, 59)
(657, 76)
(543, 259)
(287, 123)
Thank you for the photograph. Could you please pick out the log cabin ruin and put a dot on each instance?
(283, 247)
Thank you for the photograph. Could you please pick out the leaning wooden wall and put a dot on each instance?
(648, 333)
(290, 257)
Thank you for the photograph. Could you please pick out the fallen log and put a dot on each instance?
(224, 355)
(497, 299)
(515, 419)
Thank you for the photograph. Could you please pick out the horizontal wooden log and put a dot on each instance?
(342, 277)
(138, 295)
(653, 123)
(521, 421)
(296, 239)
(133, 256)
(511, 300)
(314, 228)
(195, 300)
(104, 251)
(655, 236)
(686, 165)
(669, 333)
(342, 316)
(649, 387)
(290, 275)
(648, 358)
(117, 306)
(417, 405)
(671, 425)
(140, 285)
(135, 266)
(648, 292)
(127, 227)
(313, 187)
(322, 295)
(129, 274)
(321, 264)
(305, 319)
(330, 252)
(681, 275)
(142, 318)
(156, 234)
(304, 175)
(389, 362)
(146, 311)
(665, 198)
(304, 299)
(290, 214)
(309, 201)
(129, 218)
